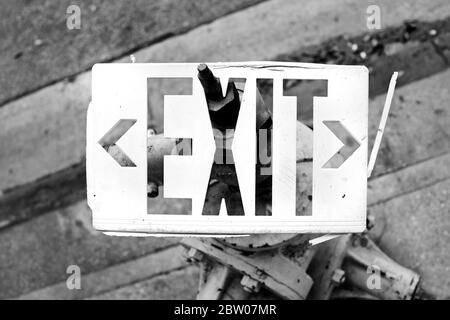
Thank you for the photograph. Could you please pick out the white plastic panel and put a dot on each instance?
(117, 195)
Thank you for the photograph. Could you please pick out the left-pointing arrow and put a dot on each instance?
(108, 142)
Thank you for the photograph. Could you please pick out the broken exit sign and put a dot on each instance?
(121, 159)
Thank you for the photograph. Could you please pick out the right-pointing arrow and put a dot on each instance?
(350, 144)
(108, 142)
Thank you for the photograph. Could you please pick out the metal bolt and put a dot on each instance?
(194, 256)
(250, 285)
(261, 274)
(210, 84)
(152, 190)
(363, 241)
(338, 276)
(150, 132)
(370, 222)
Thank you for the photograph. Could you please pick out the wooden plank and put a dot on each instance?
(181, 284)
(48, 126)
(38, 48)
(36, 254)
(111, 278)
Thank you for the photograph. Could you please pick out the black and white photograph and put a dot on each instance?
(251, 151)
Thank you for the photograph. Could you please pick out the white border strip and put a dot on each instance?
(384, 115)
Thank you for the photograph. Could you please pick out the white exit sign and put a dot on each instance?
(117, 180)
